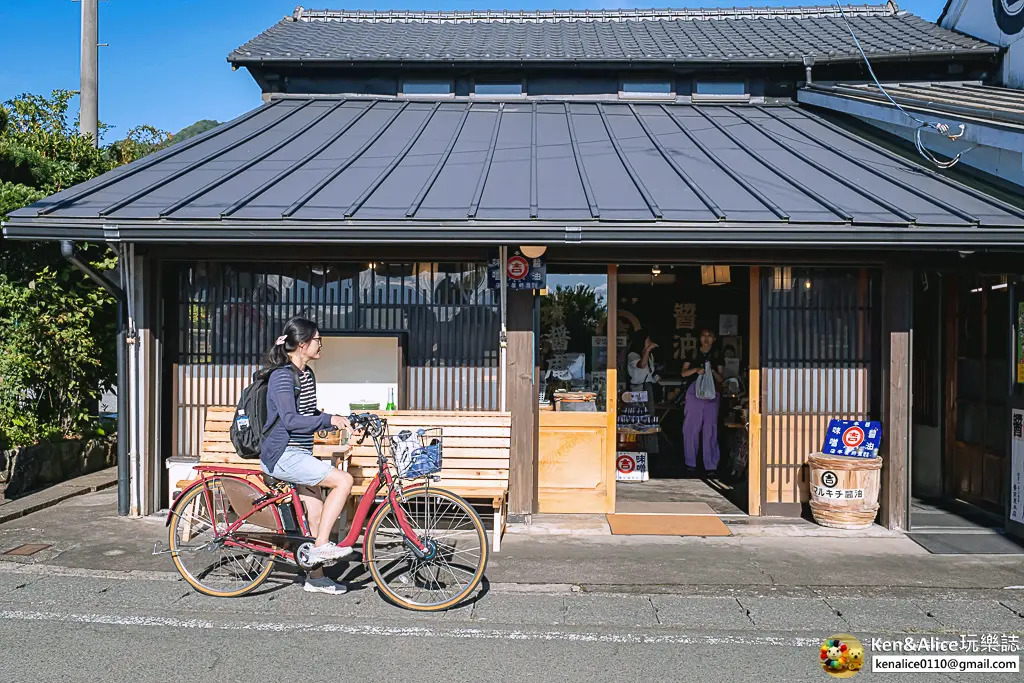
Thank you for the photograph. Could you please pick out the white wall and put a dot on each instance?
(356, 370)
(1007, 164)
(978, 18)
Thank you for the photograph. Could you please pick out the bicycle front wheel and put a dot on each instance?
(456, 554)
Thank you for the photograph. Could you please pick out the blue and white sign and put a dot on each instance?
(854, 438)
(523, 272)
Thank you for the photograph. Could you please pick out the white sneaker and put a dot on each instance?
(323, 584)
(327, 552)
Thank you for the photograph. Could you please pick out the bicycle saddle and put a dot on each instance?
(273, 483)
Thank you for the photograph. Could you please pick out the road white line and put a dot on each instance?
(7, 567)
(56, 570)
(412, 631)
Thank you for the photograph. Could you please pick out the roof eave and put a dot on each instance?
(986, 52)
(483, 233)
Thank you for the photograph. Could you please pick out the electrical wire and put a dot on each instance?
(940, 128)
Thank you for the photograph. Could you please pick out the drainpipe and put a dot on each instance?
(503, 339)
(67, 250)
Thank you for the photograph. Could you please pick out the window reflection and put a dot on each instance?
(573, 342)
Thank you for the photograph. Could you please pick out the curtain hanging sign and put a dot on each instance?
(1017, 467)
(523, 273)
(853, 438)
(1020, 343)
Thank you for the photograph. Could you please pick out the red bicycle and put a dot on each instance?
(426, 547)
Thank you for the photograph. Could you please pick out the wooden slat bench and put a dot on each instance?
(475, 460)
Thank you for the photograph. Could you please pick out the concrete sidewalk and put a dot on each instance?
(13, 508)
(85, 533)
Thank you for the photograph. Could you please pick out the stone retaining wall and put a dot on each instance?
(34, 467)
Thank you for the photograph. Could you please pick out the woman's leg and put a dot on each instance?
(711, 451)
(340, 485)
(310, 498)
(691, 426)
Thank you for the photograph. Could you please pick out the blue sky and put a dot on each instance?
(165, 64)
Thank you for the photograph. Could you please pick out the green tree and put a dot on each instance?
(58, 346)
(195, 129)
(141, 141)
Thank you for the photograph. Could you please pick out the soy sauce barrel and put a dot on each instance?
(844, 490)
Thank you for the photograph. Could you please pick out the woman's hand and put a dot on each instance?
(700, 371)
(341, 422)
(650, 345)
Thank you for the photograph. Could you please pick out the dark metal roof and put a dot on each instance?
(334, 169)
(742, 35)
(983, 103)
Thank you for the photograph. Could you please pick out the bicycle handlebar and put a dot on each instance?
(370, 424)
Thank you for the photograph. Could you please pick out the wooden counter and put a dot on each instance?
(576, 469)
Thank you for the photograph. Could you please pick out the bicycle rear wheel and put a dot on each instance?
(209, 561)
(456, 558)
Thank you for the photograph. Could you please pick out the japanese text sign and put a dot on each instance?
(855, 438)
(522, 272)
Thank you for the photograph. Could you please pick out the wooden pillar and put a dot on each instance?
(522, 403)
(754, 392)
(897, 346)
(612, 383)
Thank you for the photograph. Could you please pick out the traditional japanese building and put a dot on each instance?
(663, 169)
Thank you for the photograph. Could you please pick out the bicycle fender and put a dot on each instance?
(181, 495)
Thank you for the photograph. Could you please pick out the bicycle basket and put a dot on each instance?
(417, 455)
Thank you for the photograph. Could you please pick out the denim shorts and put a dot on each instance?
(298, 466)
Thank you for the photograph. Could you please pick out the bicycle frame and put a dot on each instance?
(252, 540)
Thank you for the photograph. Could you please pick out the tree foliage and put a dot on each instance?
(57, 349)
(195, 129)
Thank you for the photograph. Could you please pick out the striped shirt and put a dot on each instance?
(306, 405)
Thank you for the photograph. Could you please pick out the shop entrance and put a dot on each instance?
(675, 446)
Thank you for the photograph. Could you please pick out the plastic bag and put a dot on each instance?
(403, 445)
(706, 384)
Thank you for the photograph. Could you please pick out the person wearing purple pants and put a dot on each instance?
(700, 416)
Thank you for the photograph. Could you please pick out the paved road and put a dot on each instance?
(96, 605)
(61, 624)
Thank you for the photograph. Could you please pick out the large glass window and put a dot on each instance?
(573, 341)
(228, 314)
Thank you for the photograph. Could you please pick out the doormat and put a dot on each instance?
(667, 525)
(967, 544)
(645, 507)
(27, 549)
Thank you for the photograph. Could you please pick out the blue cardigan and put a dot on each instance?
(282, 399)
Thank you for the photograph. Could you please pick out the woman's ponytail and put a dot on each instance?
(297, 331)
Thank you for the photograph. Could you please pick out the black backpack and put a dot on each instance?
(249, 426)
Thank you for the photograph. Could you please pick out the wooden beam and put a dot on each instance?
(897, 349)
(754, 450)
(522, 403)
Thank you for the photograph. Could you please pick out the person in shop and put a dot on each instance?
(640, 367)
(700, 415)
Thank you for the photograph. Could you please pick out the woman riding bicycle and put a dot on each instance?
(287, 450)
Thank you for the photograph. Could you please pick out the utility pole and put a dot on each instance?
(88, 97)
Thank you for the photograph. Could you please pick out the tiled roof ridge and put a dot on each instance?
(888, 9)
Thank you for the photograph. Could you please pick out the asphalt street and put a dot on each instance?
(61, 624)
